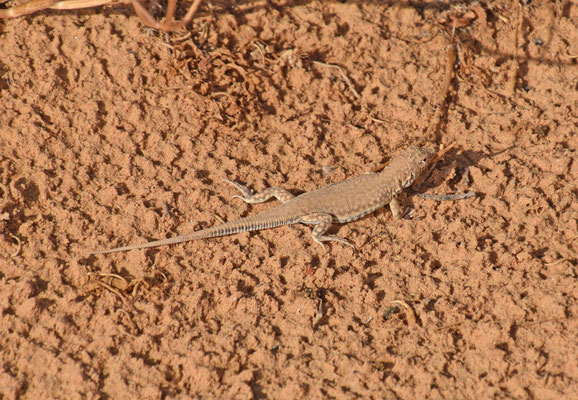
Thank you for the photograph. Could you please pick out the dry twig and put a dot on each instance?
(516, 66)
(445, 90)
(5, 195)
(169, 24)
(448, 197)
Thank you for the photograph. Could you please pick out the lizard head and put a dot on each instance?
(412, 163)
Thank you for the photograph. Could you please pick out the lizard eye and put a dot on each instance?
(423, 161)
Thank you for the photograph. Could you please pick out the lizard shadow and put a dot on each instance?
(455, 163)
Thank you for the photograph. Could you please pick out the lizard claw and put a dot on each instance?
(322, 246)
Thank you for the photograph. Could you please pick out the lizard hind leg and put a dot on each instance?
(396, 209)
(248, 197)
(322, 221)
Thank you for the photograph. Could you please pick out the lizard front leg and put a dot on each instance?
(248, 197)
(322, 221)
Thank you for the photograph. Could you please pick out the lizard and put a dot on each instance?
(340, 202)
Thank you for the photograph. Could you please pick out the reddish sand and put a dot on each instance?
(106, 125)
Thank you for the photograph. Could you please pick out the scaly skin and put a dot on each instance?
(340, 202)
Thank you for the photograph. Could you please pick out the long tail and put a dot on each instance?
(264, 220)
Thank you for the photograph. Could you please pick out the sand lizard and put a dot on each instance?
(341, 202)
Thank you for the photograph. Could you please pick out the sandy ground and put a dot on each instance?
(113, 134)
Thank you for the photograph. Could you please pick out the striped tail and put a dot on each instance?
(265, 220)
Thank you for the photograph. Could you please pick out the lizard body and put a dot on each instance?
(341, 202)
